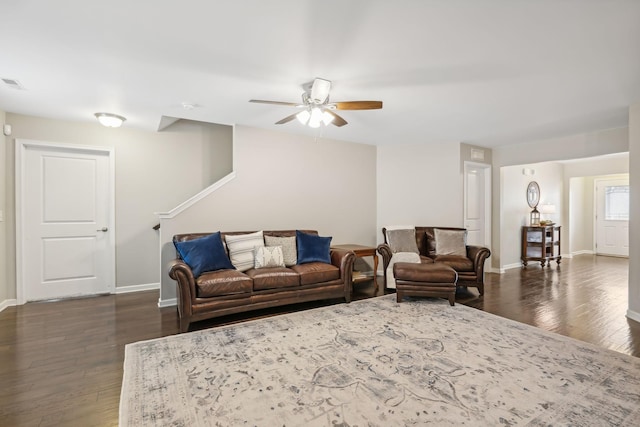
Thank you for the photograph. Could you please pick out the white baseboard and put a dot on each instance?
(167, 302)
(633, 315)
(584, 252)
(137, 288)
(8, 303)
(504, 268)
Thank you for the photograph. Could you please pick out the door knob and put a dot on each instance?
(103, 229)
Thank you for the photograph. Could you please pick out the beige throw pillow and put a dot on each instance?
(241, 249)
(451, 242)
(288, 245)
(402, 240)
(268, 256)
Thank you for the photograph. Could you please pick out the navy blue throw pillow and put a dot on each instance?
(204, 254)
(312, 248)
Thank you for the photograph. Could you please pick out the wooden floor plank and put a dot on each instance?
(61, 362)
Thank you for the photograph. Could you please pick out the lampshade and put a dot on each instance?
(303, 116)
(316, 118)
(110, 120)
(548, 208)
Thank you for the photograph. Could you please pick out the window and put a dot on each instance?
(616, 203)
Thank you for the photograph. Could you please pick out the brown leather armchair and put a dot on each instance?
(470, 269)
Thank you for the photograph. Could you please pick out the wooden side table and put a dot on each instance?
(362, 251)
(540, 243)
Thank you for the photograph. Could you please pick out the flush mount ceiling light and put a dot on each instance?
(110, 120)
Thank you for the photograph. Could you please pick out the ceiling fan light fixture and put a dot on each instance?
(110, 120)
(316, 117)
(303, 116)
(327, 118)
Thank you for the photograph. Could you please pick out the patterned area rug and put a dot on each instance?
(378, 363)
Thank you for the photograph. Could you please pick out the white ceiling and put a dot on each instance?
(485, 72)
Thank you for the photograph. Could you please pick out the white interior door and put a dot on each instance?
(477, 203)
(612, 217)
(66, 222)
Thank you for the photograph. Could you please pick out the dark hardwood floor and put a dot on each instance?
(61, 362)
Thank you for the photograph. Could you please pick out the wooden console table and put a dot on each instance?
(362, 251)
(541, 243)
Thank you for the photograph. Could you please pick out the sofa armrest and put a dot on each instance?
(478, 254)
(385, 252)
(344, 260)
(186, 283)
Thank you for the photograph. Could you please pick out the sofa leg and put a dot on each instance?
(452, 299)
(481, 288)
(184, 325)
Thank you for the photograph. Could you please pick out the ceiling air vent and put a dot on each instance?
(12, 83)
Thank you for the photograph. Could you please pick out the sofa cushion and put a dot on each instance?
(241, 248)
(451, 242)
(457, 262)
(272, 278)
(402, 240)
(312, 248)
(316, 272)
(288, 245)
(204, 254)
(223, 282)
(268, 256)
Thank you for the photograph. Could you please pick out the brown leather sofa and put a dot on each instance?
(223, 292)
(470, 268)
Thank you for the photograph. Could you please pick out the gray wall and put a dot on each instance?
(284, 181)
(419, 185)
(154, 172)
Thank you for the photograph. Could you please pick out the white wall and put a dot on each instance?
(556, 149)
(285, 181)
(4, 278)
(419, 185)
(154, 172)
(580, 215)
(515, 210)
(634, 223)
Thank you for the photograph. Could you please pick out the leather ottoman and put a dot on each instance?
(425, 280)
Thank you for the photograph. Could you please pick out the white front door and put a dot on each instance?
(65, 221)
(477, 203)
(612, 217)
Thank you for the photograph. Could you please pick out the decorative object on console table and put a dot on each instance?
(362, 251)
(540, 243)
(533, 198)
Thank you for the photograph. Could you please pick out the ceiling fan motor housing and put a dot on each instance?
(320, 91)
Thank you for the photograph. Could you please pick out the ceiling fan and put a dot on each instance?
(316, 108)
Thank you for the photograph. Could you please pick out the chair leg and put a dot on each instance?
(452, 298)
(398, 296)
(481, 288)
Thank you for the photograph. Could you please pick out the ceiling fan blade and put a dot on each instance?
(286, 119)
(358, 105)
(337, 120)
(260, 101)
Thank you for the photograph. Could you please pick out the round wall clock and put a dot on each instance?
(533, 194)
